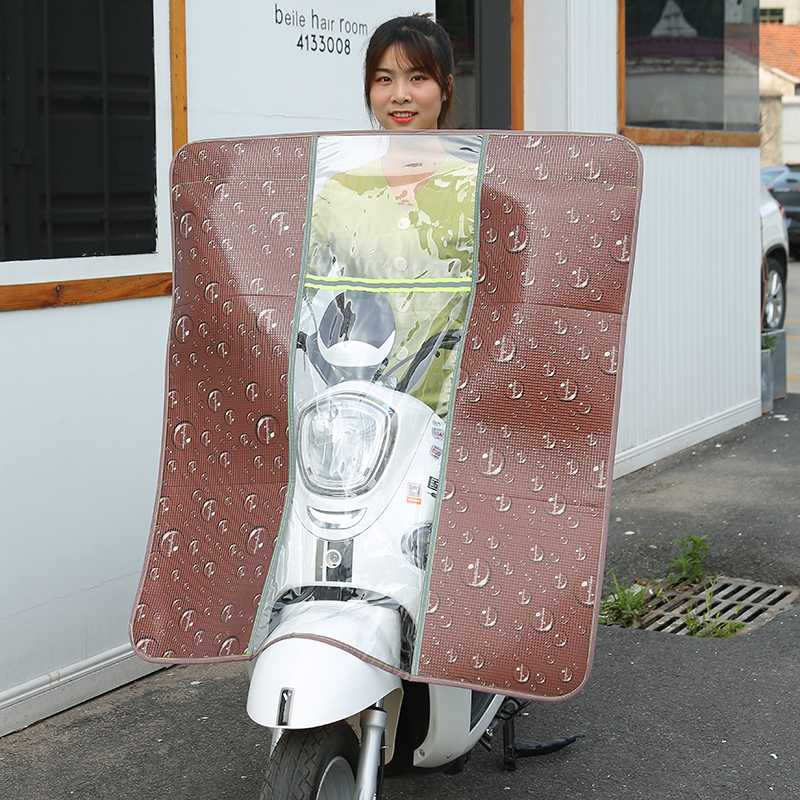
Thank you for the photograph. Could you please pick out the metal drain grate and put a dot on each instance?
(751, 603)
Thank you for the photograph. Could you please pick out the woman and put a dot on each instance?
(408, 74)
(403, 223)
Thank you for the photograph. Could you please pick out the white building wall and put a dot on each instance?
(791, 9)
(571, 65)
(791, 129)
(82, 402)
(692, 356)
(774, 82)
(692, 365)
(80, 423)
(80, 431)
(258, 68)
(80, 410)
(592, 65)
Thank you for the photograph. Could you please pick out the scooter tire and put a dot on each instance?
(313, 764)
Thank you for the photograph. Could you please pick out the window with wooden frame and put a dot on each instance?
(498, 110)
(688, 72)
(77, 119)
(487, 41)
(89, 65)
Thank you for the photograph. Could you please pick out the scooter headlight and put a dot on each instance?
(344, 443)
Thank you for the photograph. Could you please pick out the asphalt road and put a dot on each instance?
(666, 717)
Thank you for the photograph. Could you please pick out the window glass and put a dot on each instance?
(458, 19)
(481, 34)
(692, 64)
(77, 126)
(771, 14)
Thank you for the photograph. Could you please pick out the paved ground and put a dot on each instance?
(792, 326)
(666, 717)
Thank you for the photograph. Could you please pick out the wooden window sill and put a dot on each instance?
(687, 138)
(71, 293)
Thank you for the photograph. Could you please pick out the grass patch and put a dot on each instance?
(705, 623)
(628, 606)
(690, 565)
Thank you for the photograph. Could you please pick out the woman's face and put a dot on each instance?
(404, 97)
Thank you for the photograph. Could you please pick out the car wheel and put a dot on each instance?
(774, 295)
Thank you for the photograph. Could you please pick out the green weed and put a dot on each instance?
(705, 623)
(690, 565)
(625, 606)
(629, 605)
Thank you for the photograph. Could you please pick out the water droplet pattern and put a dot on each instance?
(515, 576)
(518, 558)
(238, 211)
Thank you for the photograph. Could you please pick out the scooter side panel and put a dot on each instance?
(238, 209)
(517, 570)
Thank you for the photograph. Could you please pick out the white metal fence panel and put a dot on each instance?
(692, 361)
(692, 358)
(791, 129)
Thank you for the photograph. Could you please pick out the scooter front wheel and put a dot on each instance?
(313, 764)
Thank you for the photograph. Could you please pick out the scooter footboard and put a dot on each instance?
(452, 731)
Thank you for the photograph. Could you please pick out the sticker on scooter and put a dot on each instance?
(414, 494)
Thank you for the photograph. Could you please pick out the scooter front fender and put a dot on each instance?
(305, 683)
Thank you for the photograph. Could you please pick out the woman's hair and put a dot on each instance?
(424, 44)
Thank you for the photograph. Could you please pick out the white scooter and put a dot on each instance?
(348, 574)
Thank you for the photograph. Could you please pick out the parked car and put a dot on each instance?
(775, 249)
(769, 174)
(785, 188)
